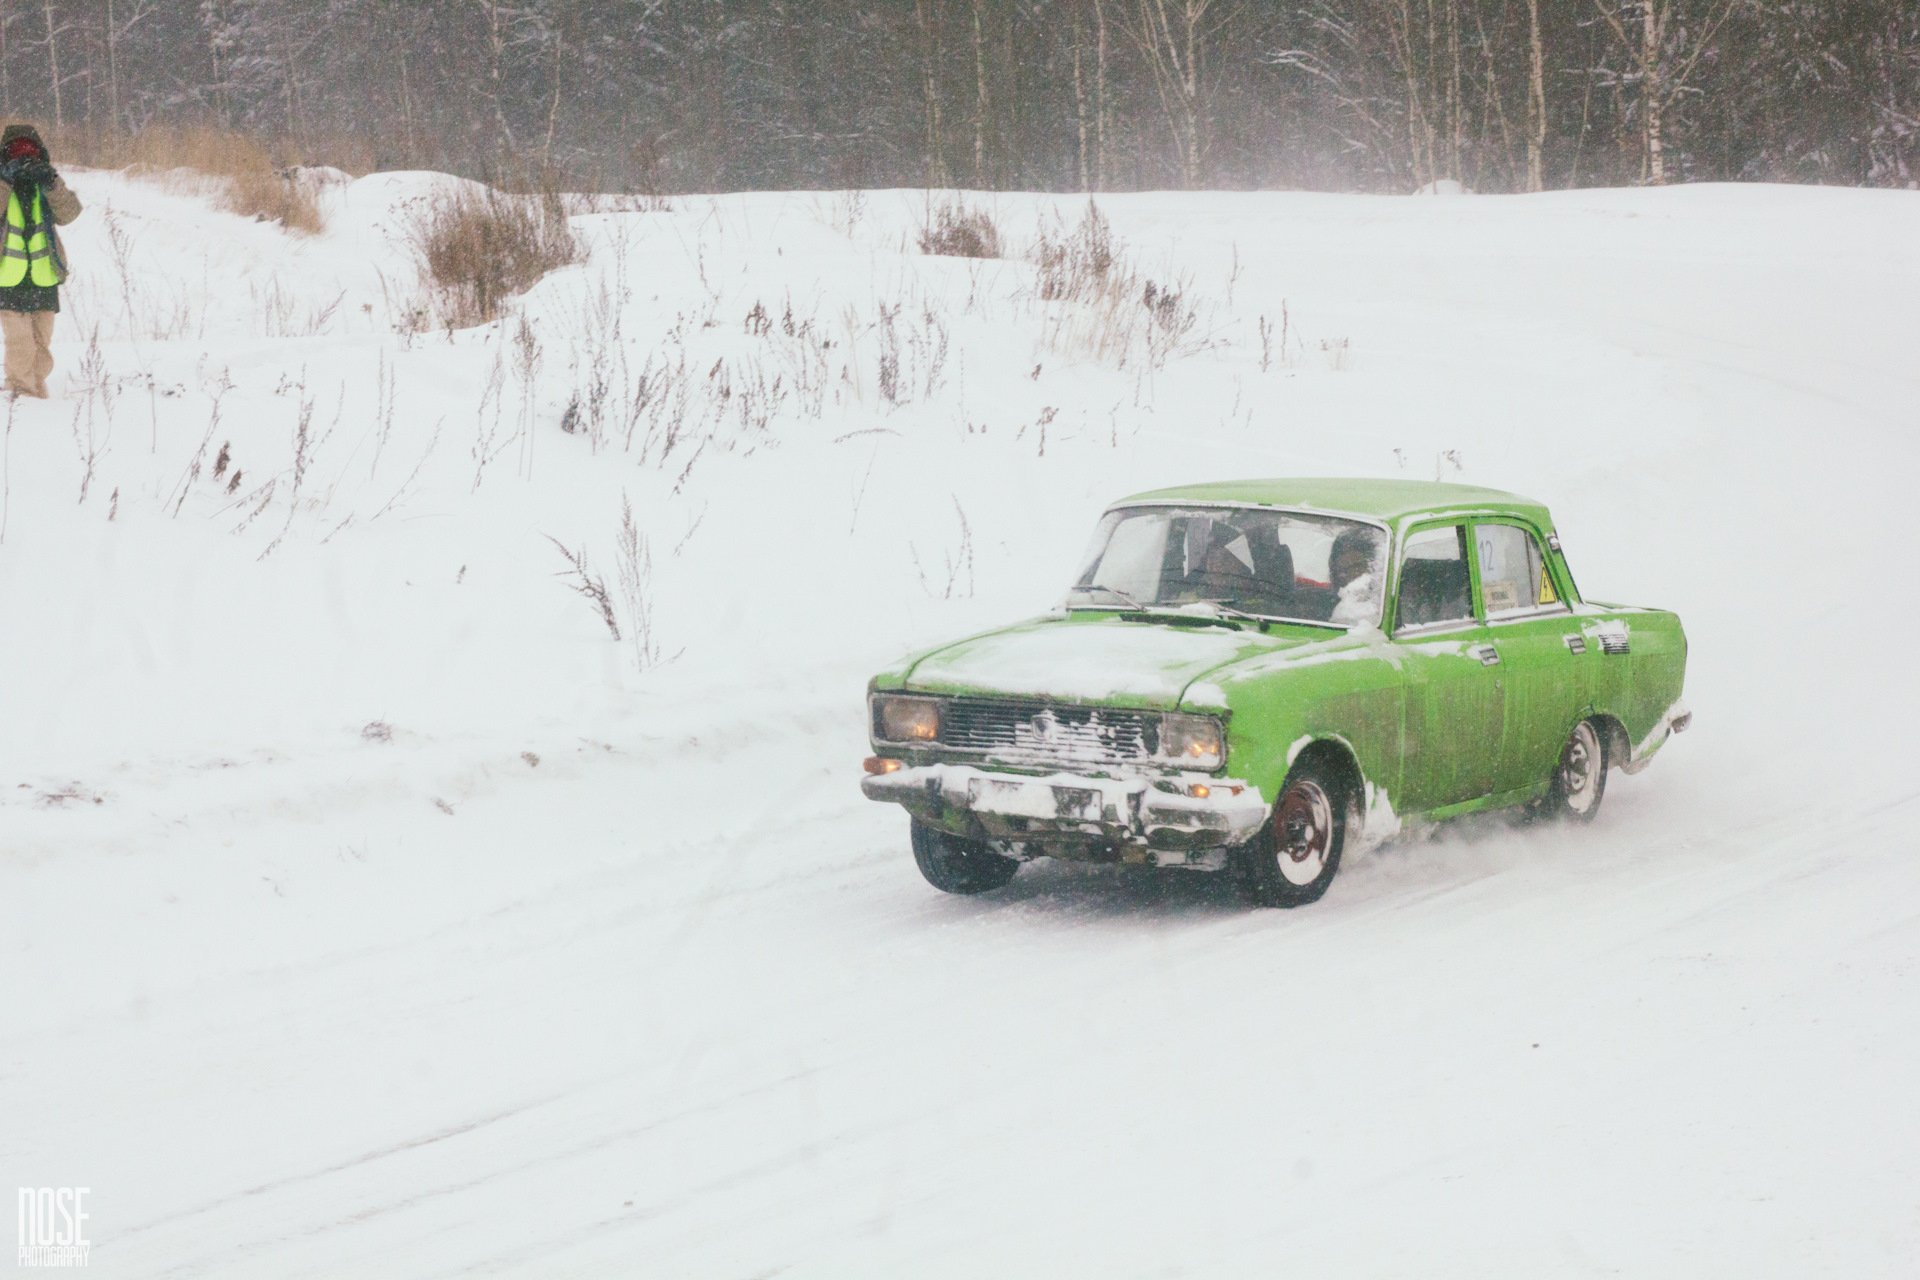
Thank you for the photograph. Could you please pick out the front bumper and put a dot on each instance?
(1067, 815)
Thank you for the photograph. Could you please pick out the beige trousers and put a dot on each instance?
(29, 350)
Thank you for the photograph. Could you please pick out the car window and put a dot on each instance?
(1433, 578)
(1129, 559)
(1512, 570)
(1242, 558)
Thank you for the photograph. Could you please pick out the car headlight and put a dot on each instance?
(898, 719)
(1194, 741)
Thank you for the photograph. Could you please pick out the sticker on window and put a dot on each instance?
(1500, 596)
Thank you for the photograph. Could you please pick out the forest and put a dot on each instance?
(665, 96)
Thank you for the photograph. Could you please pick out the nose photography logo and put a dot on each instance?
(53, 1226)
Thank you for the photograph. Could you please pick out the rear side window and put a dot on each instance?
(1513, 577)
(1433, 578)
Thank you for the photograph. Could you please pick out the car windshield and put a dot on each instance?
(1272, 564)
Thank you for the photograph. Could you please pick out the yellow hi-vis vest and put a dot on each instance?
(21, 253)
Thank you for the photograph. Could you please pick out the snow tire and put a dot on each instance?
(1579, 777)
(1297, 853)
(955, 864)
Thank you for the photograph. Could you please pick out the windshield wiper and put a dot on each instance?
(1227, 607)
(1173, 617)
(1163, 613)
(1115, 591)
(1266, 618)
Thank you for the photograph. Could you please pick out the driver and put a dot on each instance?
(1351, 570)
(1351, 558)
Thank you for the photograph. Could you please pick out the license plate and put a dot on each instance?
(1077, 802)
(1024, 799)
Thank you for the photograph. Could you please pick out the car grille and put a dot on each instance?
(1049, 733)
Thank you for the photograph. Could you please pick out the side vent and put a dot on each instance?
(1615, 642)
(1576, 644)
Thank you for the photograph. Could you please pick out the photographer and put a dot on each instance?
(33, 264)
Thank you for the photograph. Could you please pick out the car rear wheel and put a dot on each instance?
(1296, 855)
(1580, 776)
(955, 864)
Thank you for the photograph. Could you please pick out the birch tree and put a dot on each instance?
(926, 18)
(1172, 37)
(1664, 41)
(980, 96)
(1100, 94)
(1536, 100)
(54, 28)
(1385, 95)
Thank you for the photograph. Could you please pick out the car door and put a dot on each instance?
(1542, 665)
(1455, 719)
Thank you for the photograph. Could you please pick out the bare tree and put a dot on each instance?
(1664, 52)
(221, 40)
(113, 70)
(1455, 114)
(291, 73)
(1100, 94)
(980, 97)
(1172, 36)
(1091, 126)
(400, 46)
(6, 75)
(1059, 94)
(1536, 100)
(927, 17)
(1080, 98)
(1432, 68)
(1893, 51)
(53, 62)
(498, 20)
(1493, 111)
(553, 111)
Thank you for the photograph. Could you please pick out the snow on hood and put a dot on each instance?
(1088, 660)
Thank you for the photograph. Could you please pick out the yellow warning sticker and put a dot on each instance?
(1547, 595)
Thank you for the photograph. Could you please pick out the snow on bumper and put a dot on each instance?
(1678, 719)
(1147, 812)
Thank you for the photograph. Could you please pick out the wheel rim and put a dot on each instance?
(1580, 768)
(1303, 832)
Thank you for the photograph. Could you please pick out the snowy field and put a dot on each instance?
(370, 910)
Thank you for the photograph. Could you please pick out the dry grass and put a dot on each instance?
(252, 177)
(1082, 266)
(478, 247)
(956, 231)
(1113, 312)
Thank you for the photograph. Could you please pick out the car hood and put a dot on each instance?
(1093, 658)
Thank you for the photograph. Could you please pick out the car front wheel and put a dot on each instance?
(955, 864)
(1295, 856)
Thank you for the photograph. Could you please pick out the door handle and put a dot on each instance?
(1488, 655)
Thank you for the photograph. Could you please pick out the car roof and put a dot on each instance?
(1387, 500)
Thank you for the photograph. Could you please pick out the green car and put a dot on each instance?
(1247, 675)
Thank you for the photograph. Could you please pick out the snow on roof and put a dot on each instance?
(1382, 499)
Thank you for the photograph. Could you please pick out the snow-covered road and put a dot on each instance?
(768, 1048)
(582, 971)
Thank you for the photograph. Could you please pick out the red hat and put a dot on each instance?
(22, 146)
